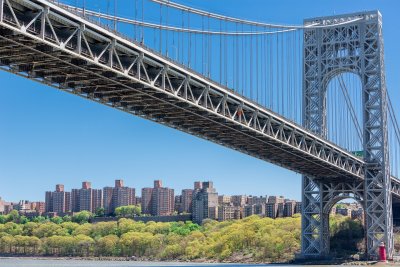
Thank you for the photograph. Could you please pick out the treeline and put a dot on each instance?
(252, 238)
(78, 217)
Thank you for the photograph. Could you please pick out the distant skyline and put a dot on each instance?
(49, 137)
(138, 191)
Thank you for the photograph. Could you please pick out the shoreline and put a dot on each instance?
(198, 262)
(149, 262)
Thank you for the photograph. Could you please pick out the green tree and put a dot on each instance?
(49, 229)
(104, 229)
(107, 246)
(3, 219)
(70, 227)
(7, 244)
(128, 211)
(82, 217)
(39, 219)
(100, 212)
(83, 229)
(67, 218)
(57, 220)
(12, 228)
(84, 244)
(28, 228)
(13, 216)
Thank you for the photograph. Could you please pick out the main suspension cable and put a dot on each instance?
(242, 21)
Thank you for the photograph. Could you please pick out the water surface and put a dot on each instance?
(22, 262)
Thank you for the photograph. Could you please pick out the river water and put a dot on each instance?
(21, 262)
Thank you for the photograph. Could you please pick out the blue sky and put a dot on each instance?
(49, 137)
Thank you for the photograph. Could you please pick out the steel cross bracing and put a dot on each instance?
(358, 48)
(42, 41)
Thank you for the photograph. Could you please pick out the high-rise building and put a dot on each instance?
(238, 213)
(162, 200)
(58, 201)
(226, 212)
(159, 200)
(281, 208)
(117, 196)
(147, 194)
(38, 206)
(276, 199)
(289, 208)
(107, 199)
(253, 200)
(224, 200)
(345, 211)
(248, 210)
(23, 206)
(187, 198)
(48, 201)
(238, 200)
(259, 209)
(138, 201)
(205, 202)
(86, 198)
(178, 204)
(298, 207)
(157, 183)
(198, 185)
(271, 210)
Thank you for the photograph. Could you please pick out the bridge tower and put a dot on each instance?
(355, 47)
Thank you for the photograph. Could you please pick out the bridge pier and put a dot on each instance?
(318, 199)
(356, 47)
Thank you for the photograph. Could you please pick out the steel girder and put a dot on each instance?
(356, 47)
(95, 63)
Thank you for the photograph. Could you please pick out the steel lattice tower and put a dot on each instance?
(328, 51)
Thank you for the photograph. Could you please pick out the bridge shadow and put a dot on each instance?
(347, 237)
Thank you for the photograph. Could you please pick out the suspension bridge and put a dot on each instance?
(311, 98)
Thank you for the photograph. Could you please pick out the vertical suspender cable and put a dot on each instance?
(142, 31)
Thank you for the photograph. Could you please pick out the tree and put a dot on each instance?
(49, 229)
(128, 211)
(3, 219)
(28, 228)
(12, 228)
(70, 227)
(39, 219)
(100, 212)
(57, 220)
(104, 229)
(83, 229)
(107, 246)
(128, 225)
(7, 243)
(13, 216)
(67, 218)
(82, 217)
(84, 244)
(23, 220)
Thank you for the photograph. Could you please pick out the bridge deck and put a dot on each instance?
(44, 42)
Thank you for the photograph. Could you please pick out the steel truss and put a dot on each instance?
(85, 59)
(356, 47)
